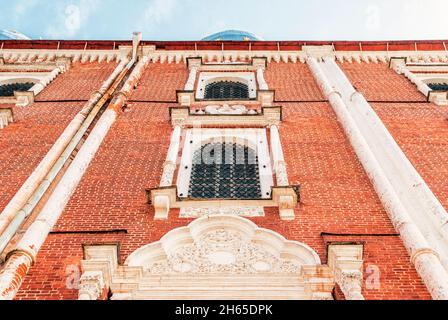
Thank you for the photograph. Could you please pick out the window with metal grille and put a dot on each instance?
(439, 86)
(226, 90)
(225, 171)
(7, 90)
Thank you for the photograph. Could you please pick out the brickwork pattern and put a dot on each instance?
(336, 195)
(292, 82)
(78, 83)
(159, 82)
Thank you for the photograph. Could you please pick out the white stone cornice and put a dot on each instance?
(22, 56)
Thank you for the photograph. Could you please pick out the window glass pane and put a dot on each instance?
(439, 86)
(225, 171)
(226, 90)
(7, 90)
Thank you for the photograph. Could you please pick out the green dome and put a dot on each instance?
(232, 35)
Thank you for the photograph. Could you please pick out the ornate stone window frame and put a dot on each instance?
(282, 195)
(219, 257)
(422, 74)
(255, 139)
(206, 78)
(47, 73)
(213, 71)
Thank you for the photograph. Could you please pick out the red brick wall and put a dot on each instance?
(337, 198)
(160, 81)
(78, 82)
(25, 142)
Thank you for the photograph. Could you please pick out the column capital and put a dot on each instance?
(91, 285)
(346, 261)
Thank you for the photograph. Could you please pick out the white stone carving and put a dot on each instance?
(242, 211)
(218, 257)
(226, 109)
(171, 158)
(223, 251)
(91, 285)
(346, 261)
(252, 249)
(23, 56)
(266, 116)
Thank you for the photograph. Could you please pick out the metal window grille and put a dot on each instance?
(226, 90)
(225, 171)
(439, 86)
(7, 90)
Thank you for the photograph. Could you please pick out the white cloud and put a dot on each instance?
(158, 11)
(71, 18)
(22, 7)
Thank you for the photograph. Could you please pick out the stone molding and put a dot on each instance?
(188, 98)
(421, 75)
(28, 73)
(346, 262)
(236, 57)
(164, 199)
(6, 117)
(185, 117)
(212, 253)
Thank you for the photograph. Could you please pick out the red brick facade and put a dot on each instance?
(338, 203)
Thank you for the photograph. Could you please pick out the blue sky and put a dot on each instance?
(194, 19)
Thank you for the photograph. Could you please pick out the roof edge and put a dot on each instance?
(341, 45)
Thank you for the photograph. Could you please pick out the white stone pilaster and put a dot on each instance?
(262, 84)
(171, 158)
(278, 158)
(189, 86)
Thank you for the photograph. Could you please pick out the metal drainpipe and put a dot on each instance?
(20, 217)
(20, 260)
(23, 195)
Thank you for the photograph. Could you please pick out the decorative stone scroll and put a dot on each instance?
(253, 211)
(219, 257)
(346, 262)
(228, 110)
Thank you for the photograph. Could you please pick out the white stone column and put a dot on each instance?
(262, 84)
(285, 202)
(278, 159)
(171, 158)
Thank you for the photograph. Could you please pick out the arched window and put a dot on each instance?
(439, 86)
(225, 171)
(7, 90)
(226, 90)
